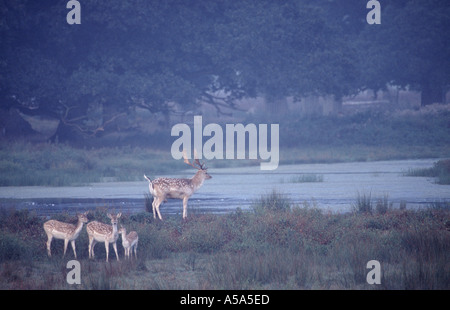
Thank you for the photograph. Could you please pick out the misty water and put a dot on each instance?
(336, 188)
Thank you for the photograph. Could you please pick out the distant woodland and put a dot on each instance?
(129, 60)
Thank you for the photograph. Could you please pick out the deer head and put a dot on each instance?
(202, 169)
(114, 218)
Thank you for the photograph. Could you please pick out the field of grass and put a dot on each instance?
(277, 245)
(60, 165)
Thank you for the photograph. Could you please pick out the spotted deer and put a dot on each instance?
(66, 231)
(129, 242)
(100, 232)
(177, 188)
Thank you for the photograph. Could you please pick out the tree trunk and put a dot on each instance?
(69, 130)
(64, 133)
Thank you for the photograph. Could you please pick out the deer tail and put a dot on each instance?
(150, 187)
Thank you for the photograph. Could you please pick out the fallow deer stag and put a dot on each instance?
(174, 188)
(68, 232)
(99, 232)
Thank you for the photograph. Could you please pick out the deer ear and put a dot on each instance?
(109, 215)
(119, 214)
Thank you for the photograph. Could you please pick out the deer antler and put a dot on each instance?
(200, 166)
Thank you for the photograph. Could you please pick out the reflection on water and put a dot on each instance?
(335, 189)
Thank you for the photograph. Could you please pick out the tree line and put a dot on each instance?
(149, 54)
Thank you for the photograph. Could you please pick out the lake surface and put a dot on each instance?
(231, 188)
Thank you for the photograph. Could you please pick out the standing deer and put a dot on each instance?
(68, 232)
(99, 232)
(129, 242)
(165, 188)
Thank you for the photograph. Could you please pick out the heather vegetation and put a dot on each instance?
(276, 245)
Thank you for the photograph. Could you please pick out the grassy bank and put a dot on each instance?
(59, 165)
(275, 246)
(23, 164)
(366, 136)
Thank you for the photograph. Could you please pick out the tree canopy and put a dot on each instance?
(152, 53)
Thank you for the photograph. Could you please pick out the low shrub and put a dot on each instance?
(13, 248)
(296, 247)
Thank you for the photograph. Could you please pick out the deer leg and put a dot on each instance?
(157, 204)
(153, 207)
(49, 244)
(185, 201)
(66, 241)
(115, 250)
(72, 242)
(107, 250)
(91, 247)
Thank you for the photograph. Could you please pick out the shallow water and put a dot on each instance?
(231, 188)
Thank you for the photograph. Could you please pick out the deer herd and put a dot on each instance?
(97, 232)
(161, 189)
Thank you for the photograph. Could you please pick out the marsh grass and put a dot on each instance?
(304, 178)
(24, 164)
(276, 247)
(363, 203)
(272, 202)
(440, 171)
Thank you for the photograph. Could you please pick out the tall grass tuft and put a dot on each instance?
(148, 201)
(274, 202)
(382, 206)
(363, 203)
(305, 178)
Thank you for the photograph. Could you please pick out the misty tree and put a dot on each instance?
(149, 54)
(123, 55)
(411, 48)
(281, 49)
